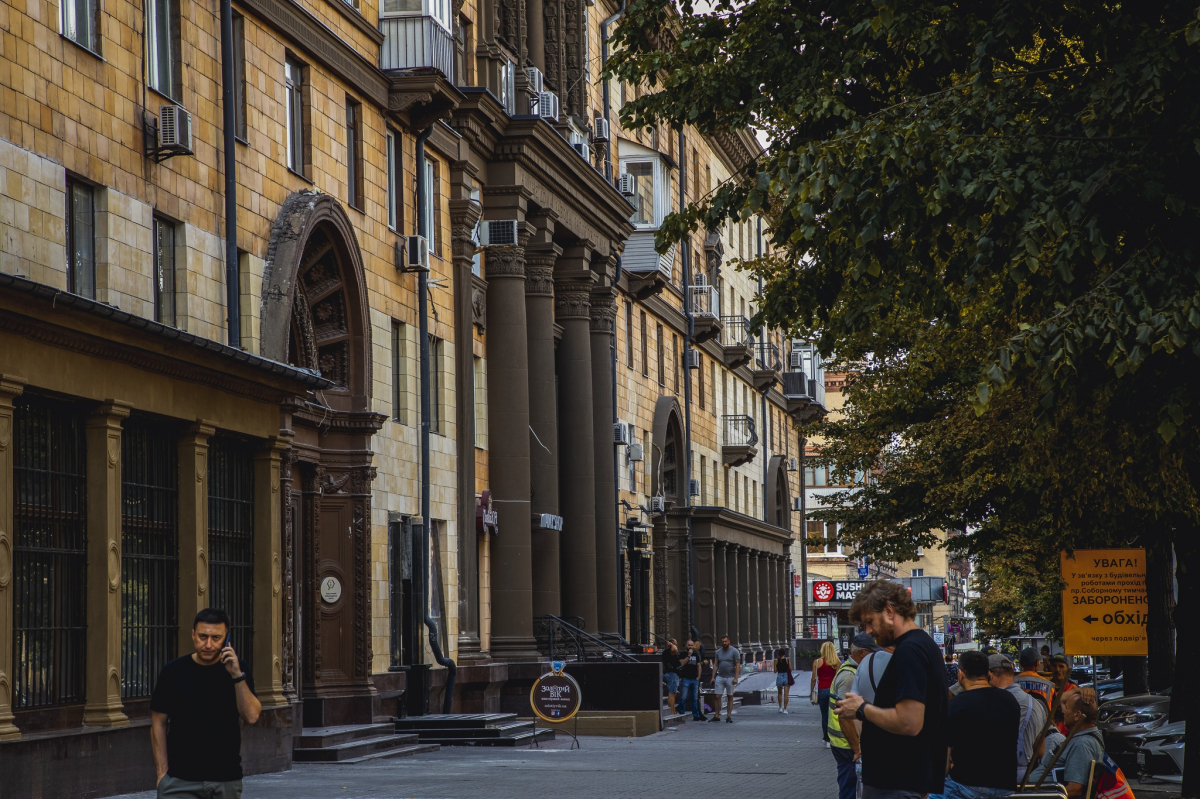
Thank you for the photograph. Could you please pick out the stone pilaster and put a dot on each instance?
(720, 594)
(508, 454)
(603, 313)
(103, 706)
(10, 388)
(193, 528)
(543, 419)
(754, 599)
(268, 574)
(771, 595)
(745, 600)
(707, 569)
(733, 586)
(572, 306)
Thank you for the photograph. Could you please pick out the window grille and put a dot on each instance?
(149, 554)
(49, 554)
(231, 538)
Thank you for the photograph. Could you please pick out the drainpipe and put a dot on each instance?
(608, 170)
(423, 316)
(229, 117)
(617, 473)
(687, 388)
(766, 417)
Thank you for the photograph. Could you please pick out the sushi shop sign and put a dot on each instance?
(837, 590)
(555, 696)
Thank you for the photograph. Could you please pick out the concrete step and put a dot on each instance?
(524, 738)
(453, 720)
(497, 731)
(355, 749)
(325, 737)
(402, 751)
(674, 719)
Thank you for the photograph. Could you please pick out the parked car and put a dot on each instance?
(1109, 689)
(1123, 722)
(1160, 756)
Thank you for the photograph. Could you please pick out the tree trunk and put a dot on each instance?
(1185, 700)
(1133, 674)
(1160, 629)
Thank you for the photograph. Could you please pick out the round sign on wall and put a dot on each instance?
(331, 589)
(823, 591)
(555, 696)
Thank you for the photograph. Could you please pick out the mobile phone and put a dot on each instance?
(228, 638)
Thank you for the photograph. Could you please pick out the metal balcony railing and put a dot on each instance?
(767, 357)
(740, 431)
(411, 42)
(705, 301)
(737, 331)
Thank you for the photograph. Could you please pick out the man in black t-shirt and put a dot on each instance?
(904, 739)
(984, 724)
(195, 713)
(689, 675)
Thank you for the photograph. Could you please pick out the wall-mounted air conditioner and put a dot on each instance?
(658, 505)
(793, 464)
(498, 232)
(547, 106)
(796, 359)
(627, 185)
(584, 150)
(621, 433)
(600, 130)
(796, 504)
(537, 83)
(416, 249)
(634, 453)
(174, 130)
(692, 358)
(694, 488)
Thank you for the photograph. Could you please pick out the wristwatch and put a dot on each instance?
(240, 679)
(860, 714)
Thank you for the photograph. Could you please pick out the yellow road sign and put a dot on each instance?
(1104, 603)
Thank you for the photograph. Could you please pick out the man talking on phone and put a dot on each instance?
(194, 715)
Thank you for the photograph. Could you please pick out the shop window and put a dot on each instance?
(49, 569)
(149, 554)
(231, 538)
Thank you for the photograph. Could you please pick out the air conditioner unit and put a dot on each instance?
(621, 433)
(658, 505)
(585, 152)
(174, 130)
(692, 358)
(416, 254)
(793, 464)
(600, 130)
(498, 232)
(700, 280)
(536, 80)
(627, 185)
(634, 453)
(796, 359)
(796, 503)
(547, 106)
(694, 488)
(920, 552)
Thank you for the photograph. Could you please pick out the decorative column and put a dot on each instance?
(706, 588)
(745, 633)
(193, 528)
(785, 601)
(102, 685)
(764, 602)
(754, 600)
(464, 214)
(720, 594)
(609, 603)
(508, 454)
(10, 388)
(268, 572)
(543, 420)
(772, 595)
(572, 307)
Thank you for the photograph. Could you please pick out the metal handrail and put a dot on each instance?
(769, 358)
(740, 430)
(737, 331)
(577, 638)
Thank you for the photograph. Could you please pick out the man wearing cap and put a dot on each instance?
(843, 734)
(1001, 674)
(1060, 664)
(1033, 683)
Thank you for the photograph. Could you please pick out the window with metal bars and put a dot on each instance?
(49, 554)
(231, 538)
(149, 553)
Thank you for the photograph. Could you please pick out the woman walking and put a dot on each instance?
(823, 670)
(783, 678)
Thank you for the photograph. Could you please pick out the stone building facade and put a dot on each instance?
(180, 430)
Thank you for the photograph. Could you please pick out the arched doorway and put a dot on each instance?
(668, 479)
(315, 315)
(778, 493)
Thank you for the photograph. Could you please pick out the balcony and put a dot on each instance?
(805, 396)
(768, 366)
(706, 312)
(737, 341)
(416, 42)
(648, 271)
(740, 443)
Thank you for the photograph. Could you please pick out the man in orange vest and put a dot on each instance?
(1083, 760)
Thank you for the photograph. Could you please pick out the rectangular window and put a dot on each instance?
(399, 374)
(700, 382)
(162, 47)
(712, 385)
(435, 385)
(231, 538)
(754, 498)
(695, 174)
(293, 72)
(736, 495)
(814, 533)
(661, 353)
(831, 539)
(481, 416)
(81, 239)
(675, 362)
(354, 176)
(643, 193)
(79, 23)
(239, 75)
(394, 180)
(629, 334)
(745, 493)
(918, 573)
(149, 554)
(703, 480)
(433, 188)
(164, 272)
(49, 567)
(725, 492)
(645, 348)
(647, 459)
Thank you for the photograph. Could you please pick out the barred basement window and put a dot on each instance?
(149, 554)
(231, 538)
(49, 554)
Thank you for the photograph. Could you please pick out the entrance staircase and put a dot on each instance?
(472, 729)
(356, 743)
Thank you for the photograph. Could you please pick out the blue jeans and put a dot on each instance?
(954, 790)
(672, 681)
(823, 704)
(847, 779)
(691, 688)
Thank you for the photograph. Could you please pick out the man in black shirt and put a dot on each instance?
(984, 724)
(195, 713)
(904, 741)
(689, 674)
